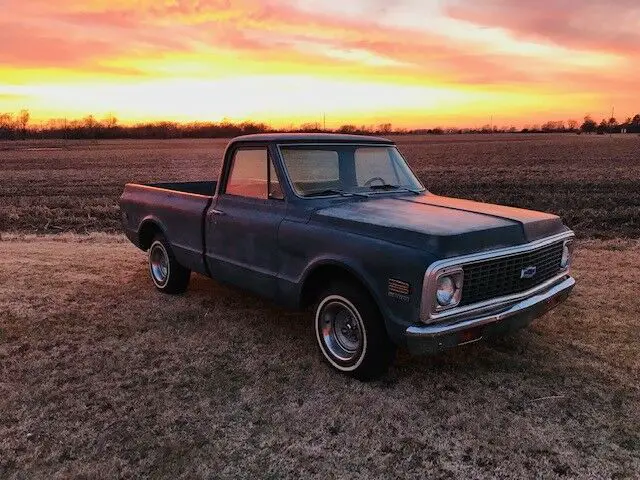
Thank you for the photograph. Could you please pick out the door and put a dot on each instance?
(242, 227)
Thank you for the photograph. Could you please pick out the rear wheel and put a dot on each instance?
(167, 274)
(350, 332)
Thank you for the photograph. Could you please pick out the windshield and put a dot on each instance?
(347, 169)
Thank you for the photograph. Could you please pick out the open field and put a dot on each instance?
(592, 181)
(101, 376)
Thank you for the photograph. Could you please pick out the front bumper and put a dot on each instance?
(428, 339)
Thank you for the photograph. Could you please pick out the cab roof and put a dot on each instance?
(309, 138)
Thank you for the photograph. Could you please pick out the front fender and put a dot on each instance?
(373, 261)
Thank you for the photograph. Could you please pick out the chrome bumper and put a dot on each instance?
(441, 336)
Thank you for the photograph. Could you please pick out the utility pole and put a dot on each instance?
(324, 121)
(613, 111)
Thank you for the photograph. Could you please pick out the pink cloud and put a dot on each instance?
(23, 46)
(599, 25)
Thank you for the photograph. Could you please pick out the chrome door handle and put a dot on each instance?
(216, 212)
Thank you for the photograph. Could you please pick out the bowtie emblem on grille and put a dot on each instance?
(528, 272)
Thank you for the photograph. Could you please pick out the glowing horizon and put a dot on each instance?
(415, 63)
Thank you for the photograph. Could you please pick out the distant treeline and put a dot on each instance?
(18, 127)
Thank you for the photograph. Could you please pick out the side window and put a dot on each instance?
(374, 163)
(248, 175)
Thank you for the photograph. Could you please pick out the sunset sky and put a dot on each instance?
(409, 62)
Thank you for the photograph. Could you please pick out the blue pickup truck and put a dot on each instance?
(339, 224)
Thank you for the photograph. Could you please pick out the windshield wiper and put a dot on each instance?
(388, 186)
(333, 191)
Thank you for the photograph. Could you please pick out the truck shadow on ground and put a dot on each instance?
(265, 329)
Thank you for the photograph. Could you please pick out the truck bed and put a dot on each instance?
(199, 188)
(177, 209)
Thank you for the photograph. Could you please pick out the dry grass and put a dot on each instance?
(101, 376)
(592, 181)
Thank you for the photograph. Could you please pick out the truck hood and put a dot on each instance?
(443, 226)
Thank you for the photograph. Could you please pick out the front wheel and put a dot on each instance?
(167, 274)
(351, 333)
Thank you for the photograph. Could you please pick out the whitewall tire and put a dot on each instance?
(350, 331)
(166, 273)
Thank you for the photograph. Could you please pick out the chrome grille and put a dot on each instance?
(502, 276)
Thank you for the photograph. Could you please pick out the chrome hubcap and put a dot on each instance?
(159, 264)
(341, 330)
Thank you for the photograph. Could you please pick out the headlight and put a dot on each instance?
(567, 253)
(448, 290)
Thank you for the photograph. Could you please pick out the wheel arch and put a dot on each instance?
(320, 273)
(149, 227)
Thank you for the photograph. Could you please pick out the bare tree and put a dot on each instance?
(603, 127)
(23, 120)
(553, 126)
(110, 121)
(7, 126)
(589, 125)
(348, 129)
(310, 127)
(385, 128)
